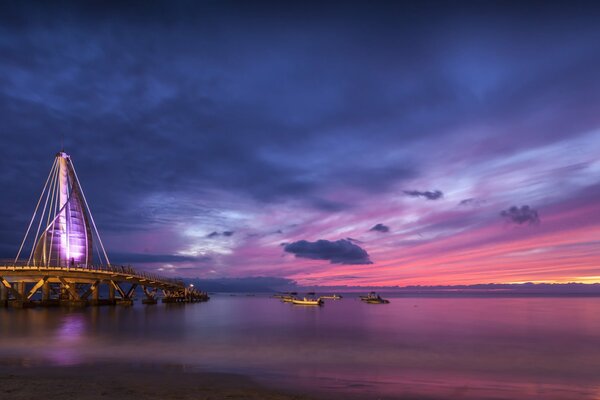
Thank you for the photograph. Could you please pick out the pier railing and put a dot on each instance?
(94, 268)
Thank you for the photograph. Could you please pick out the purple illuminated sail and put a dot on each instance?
(67, 239)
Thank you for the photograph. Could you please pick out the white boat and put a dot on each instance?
(308, 302)
(374, 298)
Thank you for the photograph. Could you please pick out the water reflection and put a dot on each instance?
(517, 347)
(63, 349)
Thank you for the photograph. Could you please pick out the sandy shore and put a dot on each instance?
(124, 382)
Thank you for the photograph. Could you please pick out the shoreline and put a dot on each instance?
(125, 381)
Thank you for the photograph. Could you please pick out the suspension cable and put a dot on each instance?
(89, 212)
(42, 217)
(35, 212)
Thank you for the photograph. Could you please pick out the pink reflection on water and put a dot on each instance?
(448, 348)
(67, 339)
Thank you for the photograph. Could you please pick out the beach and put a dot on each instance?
(125, 382)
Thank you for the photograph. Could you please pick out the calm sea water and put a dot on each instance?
(470, 348)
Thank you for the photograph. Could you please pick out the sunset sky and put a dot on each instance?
(357, 144)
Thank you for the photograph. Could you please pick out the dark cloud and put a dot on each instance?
(380, 228)
(339, 252)
(471, 202)
(429, 195)
(215, 234)
(522, 215)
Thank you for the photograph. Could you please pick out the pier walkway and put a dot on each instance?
(27, 286)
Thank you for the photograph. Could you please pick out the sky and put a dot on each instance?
(373, 143)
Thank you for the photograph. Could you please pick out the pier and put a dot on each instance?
(61, 269)
(47, 286)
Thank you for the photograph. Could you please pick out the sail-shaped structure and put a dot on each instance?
(64, 236)
(67, 239)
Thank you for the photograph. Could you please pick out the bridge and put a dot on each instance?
(61, 268)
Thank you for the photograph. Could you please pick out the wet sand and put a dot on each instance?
(125, 382)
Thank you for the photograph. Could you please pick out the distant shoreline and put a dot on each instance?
(281, 285)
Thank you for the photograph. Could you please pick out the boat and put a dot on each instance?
(374, 298)
(332, 297)
(308, 302)
(377, 301)
(288, 299)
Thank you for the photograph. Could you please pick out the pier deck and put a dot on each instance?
(28, 286)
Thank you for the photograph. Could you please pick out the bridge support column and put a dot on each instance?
(20, 300)
(21, 288)
(3, 296)
(150, 296)
(111, 293)
(72, 297)
(96, 295)
(45, 292)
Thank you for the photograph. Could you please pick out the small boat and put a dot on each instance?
(377, 301)
(374, 298)
(288, 299)
(308, 302)
(332, 297)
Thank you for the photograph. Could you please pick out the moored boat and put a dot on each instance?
(332, 297)
(374, 298)
(308, 302)
(377, 301)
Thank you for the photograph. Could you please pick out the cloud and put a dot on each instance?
(472, 201)
(354, 240)
(215, 234)
(380, 228)
(429, 195)
(524, 214)
(339, 252)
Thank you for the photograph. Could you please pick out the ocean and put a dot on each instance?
(415, 347)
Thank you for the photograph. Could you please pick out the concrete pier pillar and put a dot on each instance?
(96, 296)
(45, 292)
(3, 296)
(21, 289)
(21, 302)
(111, 293)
